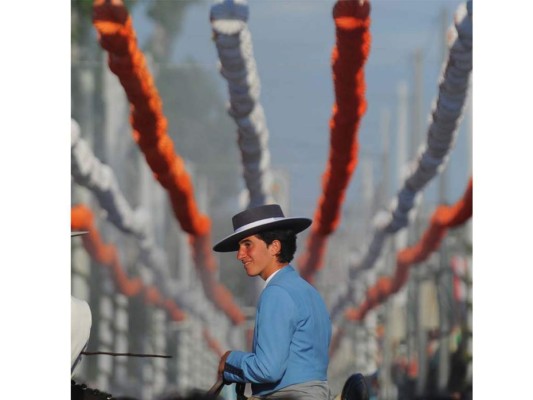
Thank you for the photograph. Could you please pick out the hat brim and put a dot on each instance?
(78, 233)
(231, 243)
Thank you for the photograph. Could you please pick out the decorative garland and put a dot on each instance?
(352, 27)
(446, 116)
(81, 218)
(107, 256)
(88, 171)
(212, 343)
(233, 41)
(444, 218)
(117, 36)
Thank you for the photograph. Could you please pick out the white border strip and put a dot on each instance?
(258, 223)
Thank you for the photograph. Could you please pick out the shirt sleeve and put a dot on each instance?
(275, 326)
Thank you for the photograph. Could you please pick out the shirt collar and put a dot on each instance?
(271, 276)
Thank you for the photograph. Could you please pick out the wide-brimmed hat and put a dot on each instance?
(258, 219)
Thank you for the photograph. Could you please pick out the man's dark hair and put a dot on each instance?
(287, 238)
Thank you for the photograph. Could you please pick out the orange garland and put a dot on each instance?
(117, 36)
(105, 254)
(352, 22)
(444, 218)
(81, 219)
(336, 341)
(212, 343)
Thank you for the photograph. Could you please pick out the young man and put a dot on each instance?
(289, 357)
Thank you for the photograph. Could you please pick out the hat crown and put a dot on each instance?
(256, 214)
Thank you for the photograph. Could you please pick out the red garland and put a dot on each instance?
(352, 22)
(81, 219)
(117, 36)
(444, 218)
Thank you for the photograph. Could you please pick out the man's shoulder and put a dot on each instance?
(287, 276)
(292, 284)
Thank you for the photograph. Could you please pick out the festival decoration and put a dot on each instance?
(445, 118)
(237, 65)
(107, 255)
(212, 343)
(89, 172)
(352, 27)
(116, 35)
(444, 218)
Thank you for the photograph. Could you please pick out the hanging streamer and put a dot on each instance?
(336, 341)
(117, 36)
(352, 27)
(237, 65)
(212, 343)
(444, 218)
(445, 118)
(88, 171)
(82, 220)
(107, 255)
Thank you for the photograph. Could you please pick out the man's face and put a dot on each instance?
(257, 257)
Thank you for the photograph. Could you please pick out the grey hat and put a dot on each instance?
(257, 219)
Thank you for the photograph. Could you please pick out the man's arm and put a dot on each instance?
(275, 326)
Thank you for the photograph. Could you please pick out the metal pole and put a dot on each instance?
(421, 334)
(386, 385)
(444, 53)
(401, 155)
(420, 342)
(443, 276)
(418, 97)
(444, 297)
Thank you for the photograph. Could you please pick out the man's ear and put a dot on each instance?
(275, 247)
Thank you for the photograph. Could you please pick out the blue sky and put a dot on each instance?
(292, 45)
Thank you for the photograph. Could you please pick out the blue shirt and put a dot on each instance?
(291, 337)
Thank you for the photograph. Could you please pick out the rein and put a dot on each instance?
(110, 353)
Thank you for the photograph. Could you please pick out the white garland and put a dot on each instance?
(237, 65)
(447, 114)
(88, 171)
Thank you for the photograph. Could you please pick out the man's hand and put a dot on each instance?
(222, 363)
